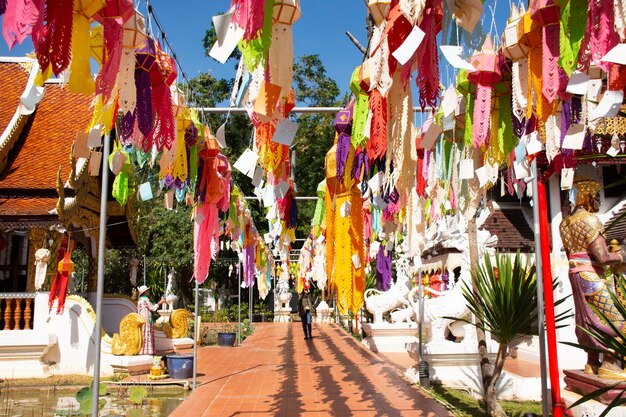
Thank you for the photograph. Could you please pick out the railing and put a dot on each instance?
(16, 310)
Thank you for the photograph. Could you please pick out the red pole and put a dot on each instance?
(548, 297)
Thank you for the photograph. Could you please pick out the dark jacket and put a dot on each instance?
(304, 303)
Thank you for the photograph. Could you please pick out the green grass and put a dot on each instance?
(461, 404)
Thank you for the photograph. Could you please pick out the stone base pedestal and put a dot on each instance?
(389, 337)
(583, 384)
(588, 408)
(282, 315)
(458, 365)
(132, 365)
(323, 313)
(182, 343)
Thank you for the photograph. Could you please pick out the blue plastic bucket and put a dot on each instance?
(180, 366)
(226, 339)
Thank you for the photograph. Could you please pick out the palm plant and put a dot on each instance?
(503, 298)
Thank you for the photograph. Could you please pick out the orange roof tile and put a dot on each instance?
(46, 140)
(27, 206)
(13, 79)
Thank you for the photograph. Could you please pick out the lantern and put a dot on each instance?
(528, 31)
(379, 9)
(178, 101)
(88, 7)
(134, 30)
(486, 75)
(97, 43)
(286, 11)
(547, 13)
(512, 48)
(115, 9)
(145, 62)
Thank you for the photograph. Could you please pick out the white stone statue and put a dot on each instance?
(380, 302)
(133, 265)
(452, 233)
(170, 297)
(284, 295)
(42, 257)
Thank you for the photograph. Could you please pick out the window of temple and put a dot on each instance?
(13, 261)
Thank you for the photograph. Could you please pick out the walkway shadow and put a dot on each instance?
(352, 373)
(287, 401)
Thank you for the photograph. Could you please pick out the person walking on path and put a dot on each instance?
(146, 309)
(304, 310)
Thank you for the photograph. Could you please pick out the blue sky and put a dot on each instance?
(320, 30)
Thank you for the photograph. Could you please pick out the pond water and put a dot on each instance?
(27, 402)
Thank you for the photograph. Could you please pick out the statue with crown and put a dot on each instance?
(597, 289)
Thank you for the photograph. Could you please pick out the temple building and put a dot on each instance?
(47, 194)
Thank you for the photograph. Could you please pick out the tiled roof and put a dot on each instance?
(512, 229)
(13, 79)
(618, 231)
(46, 140)
(27, 206)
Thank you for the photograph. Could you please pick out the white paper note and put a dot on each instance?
(616, 55)
(374, 182)
(567, 178)
(466, 169)
(81, 150)
(449, 101)
(94, 140)
(257, 178)
(432, 133)
(522, 169)
(454, 55)
(612, 151)
(574, 137)
(94, 163)
(269, 197)
(609, 105)
(408, 47)
(220, 135)
(222, 52)
(577, 83)
(533, 144)
(594, 87)
(247, 162)
(221, 22)
(482, 175)
(282, 188)
(285, 132)
(145, 191)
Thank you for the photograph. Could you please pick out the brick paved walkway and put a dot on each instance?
(276, 372)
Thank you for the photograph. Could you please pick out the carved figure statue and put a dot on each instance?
(170, 296)
(129, 340)
(179, 324)
(380, 302)
(448, 304)
(133, 265)
(284, 295)
(42, 257)
(452, 303)
(583, 238)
